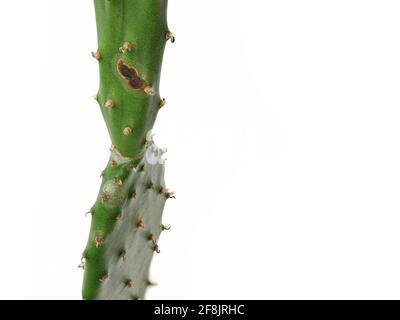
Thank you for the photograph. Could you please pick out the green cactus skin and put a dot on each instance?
(126, 218)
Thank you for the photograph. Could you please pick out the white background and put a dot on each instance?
(283, 137)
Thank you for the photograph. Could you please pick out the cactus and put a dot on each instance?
(126, 217)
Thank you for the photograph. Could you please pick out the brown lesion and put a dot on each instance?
(131, 75)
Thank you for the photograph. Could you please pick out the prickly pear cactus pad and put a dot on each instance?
(126, 217)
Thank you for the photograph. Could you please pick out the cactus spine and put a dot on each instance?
(126, 218)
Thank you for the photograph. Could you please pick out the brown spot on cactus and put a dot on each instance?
(131, 75)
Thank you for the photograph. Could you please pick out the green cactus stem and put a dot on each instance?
(126, 218)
